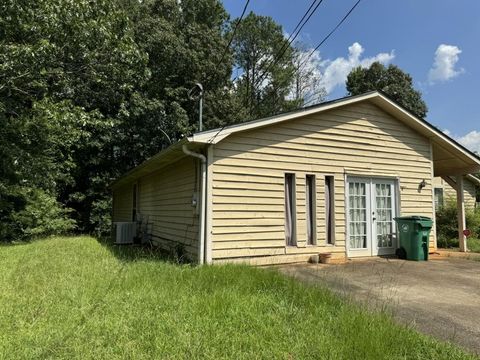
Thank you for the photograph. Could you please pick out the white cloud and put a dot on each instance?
(443, 68)
(307, 83)
(470, 140)
(335, 72)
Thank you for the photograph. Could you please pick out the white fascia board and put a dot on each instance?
(432, 132)
(216, 135)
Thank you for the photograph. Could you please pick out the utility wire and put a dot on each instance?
(234, 32)
(319, 45)
(288, 42)
(330, 33)
(231, 40)
(309, 55)
(227, 47)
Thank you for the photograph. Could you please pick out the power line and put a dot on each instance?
(289, 41)
(319, 44)
(309, 55)
(231, 40)
(234, 32)
(330, 33)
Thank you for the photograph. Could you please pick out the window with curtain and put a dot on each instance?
(329, 209)
(311, 205)
(290, 213)
(357, 197)
(384, 217)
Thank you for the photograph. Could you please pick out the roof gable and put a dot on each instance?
(449, 156)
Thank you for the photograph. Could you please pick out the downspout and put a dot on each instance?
(201, 215)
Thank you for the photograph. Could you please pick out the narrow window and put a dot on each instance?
(329, 209)
(134, 203)
(438, 198)
(311, 205)
(290, 216)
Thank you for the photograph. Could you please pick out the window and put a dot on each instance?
(311, 205)
(290, 213)
(134, 202)
(438, 192)
(329, 209)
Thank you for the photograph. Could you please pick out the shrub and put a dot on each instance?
(447, 225)
(37, 213)
(100, 217)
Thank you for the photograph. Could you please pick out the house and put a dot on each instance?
(327, 178)
(445, 190)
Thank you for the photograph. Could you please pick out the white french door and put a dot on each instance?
(371, 209)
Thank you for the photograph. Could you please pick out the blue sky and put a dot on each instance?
(407, 33)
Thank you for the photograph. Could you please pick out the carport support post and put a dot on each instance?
(462, 240)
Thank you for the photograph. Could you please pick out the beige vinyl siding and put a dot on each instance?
(249, 167)
(165, 199)
(122, 203)
(450, 194)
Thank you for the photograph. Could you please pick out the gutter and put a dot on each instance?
(203, 191)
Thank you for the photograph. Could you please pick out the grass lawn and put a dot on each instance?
(74, 298)
(473, 245)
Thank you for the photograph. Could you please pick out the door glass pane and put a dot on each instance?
(357, 215)
(384, 217)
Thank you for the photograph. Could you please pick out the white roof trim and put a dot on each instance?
(430, 128)
(216, 135)
(473, 179)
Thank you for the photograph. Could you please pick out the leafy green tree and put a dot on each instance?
(78, 50)
(89, 89)
(40, 149)
(66, 67)
(185, 42)
(396, 83)
(266, 60)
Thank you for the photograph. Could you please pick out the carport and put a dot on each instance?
(451, 165)
(450, 161)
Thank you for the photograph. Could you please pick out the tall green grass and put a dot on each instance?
(473, 245)
(73, 298)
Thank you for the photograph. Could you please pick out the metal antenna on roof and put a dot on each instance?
(193, 93)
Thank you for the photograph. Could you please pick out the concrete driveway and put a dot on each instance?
(438, 297)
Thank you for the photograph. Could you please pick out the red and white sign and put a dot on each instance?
(467, 232)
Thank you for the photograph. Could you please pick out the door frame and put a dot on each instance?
(369, 251)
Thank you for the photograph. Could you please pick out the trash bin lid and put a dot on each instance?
(424, 221)
(413, 218)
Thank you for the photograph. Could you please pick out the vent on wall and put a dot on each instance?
(124, 232)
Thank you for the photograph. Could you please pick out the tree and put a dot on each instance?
(307, 88)
(185, 44)
(397, 84)
(266, 60)
(66, 67)
(89, 89)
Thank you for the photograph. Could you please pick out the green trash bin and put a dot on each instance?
(414, 234)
